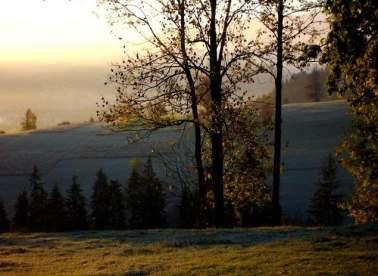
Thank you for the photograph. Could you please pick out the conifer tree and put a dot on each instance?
(324, 208)
(117, 207)
(38, 203)
(75, 204)
(189, 208)
(100, 202)
(56, 210)
(30, 121)
(21, 216)
(4, 221)
(154, 198)
(135, 199)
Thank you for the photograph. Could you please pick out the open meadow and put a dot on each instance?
(351, 250)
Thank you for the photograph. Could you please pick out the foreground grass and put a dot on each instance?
(262, 251)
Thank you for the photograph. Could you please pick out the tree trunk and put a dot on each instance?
(216, 132)
(278, 119)
(196, 121)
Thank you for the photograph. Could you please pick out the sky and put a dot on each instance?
(54, 58)
(54, 32)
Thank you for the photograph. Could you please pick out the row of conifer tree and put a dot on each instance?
(140, 204)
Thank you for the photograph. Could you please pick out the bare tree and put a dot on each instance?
(291, 29)
(189, 41)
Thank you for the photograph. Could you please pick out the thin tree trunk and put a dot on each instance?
(197, 126)
(216, 134)
(278, 119)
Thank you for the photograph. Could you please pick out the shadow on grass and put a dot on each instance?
(180, 238)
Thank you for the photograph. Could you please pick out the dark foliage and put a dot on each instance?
(76, 210)
(100, 202)
(145, 199)
(21, 216)
(4, 221)
(189, 208)
(56, 211)
(135, 199)
(351, 55)
(38, 203)
(324, 208)
(116, 206)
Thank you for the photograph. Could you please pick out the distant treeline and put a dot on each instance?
(140, 204)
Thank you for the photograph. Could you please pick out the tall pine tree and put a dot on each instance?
(56, 210)
(38, 203)
(21, 216)
(135, 198)
(154, 198)
(100, 202)
(324, 208)
(76, 210)
(117, 207)
(4, 221)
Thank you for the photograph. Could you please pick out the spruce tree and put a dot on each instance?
(30, 121)
(154, 198)
(21, 216)
(75, 204)
(56, 210)
(117, 207)
(135, 198)
(4, 221)
(324, 208)
(189, 208)
(100, 202)
(38, 203)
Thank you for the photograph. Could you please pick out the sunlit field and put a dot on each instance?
(270, 251)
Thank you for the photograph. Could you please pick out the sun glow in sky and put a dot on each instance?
(53, 32)
(54, 58)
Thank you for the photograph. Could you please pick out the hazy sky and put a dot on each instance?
(54, 57)
(54, 31)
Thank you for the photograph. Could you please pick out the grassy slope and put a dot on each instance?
(267, 251)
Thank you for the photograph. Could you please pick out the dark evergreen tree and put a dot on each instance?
(38, 203)
(21, 215)
(135, 199)
(324, 208)
(4, 221)
(76, 210)
(154, 197)
(56, 210)
(145, 199)
(116, 206)
(189, 208)
(100, 202)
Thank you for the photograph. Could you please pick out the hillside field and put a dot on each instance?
(310, 132)
(349, 250)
